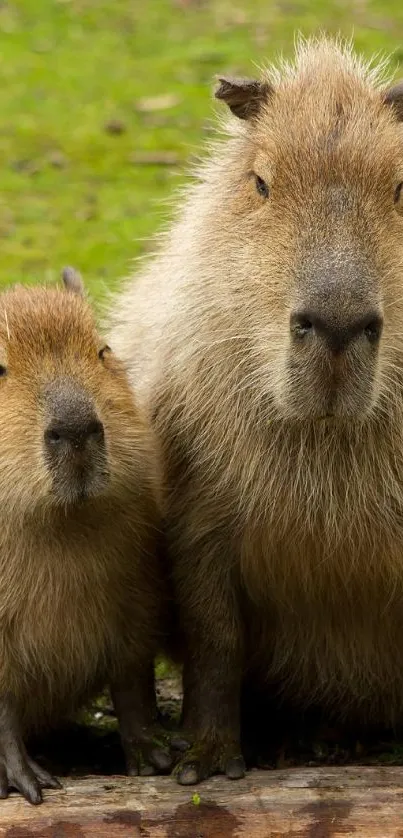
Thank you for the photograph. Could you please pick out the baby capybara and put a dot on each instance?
(80, 585)
(266, 342)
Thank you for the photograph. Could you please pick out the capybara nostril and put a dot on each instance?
(334, 331)
(73, 431)
(373, 329)
(52, 437)
(95, 430)
(300, 325)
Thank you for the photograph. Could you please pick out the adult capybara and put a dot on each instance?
(266, 341)
(80, 582)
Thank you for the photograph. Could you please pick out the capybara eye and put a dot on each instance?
(262, 187)
(102, 351)
(3, 371)
(399, 197)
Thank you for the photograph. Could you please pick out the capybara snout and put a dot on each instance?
(311, 325)
(333, 363)
(73, 418)
(74, 442)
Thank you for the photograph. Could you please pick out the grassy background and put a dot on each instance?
(101, 104)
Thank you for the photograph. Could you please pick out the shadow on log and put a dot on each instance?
(294, 803)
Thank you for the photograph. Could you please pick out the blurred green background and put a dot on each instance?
(102, 103)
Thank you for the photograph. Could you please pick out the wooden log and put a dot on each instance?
(364, 802)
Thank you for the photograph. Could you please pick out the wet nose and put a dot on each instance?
(74, 431)
(308, 324)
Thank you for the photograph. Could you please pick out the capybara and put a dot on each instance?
(265, 339)
(80, 582)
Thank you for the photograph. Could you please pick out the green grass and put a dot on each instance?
(72, 190)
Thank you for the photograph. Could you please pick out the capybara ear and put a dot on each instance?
(244, 97)
(394, 97)
(73, 281)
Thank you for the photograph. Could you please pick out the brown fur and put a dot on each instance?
(80, 593)
(286, 528)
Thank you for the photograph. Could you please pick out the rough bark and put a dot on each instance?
(298, 803)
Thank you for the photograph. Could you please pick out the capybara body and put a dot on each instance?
(80, 579)
(266, 341)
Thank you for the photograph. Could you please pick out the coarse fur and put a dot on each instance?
(79, 581)
(284, 462)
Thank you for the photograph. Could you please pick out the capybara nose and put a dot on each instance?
(308, 324)
(76, 432)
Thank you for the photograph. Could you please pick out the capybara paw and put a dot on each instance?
(26, 777)
(181, 742)
(205, 759)
(149, 755)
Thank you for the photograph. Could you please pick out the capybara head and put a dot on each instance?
(312, 225)
(67, 419)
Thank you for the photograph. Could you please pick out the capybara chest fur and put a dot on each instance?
(66, 619)
(323, 574)
(265, 340)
